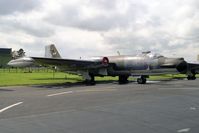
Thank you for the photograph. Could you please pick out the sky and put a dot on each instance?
(84, 28)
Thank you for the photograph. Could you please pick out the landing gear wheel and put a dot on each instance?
(91, 81)
(141, 80)
(191, 77)
(123, 79)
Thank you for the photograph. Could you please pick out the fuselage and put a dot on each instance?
(143, 64)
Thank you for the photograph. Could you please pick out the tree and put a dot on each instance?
(21, 53)
(18, 54)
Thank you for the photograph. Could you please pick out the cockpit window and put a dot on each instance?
(151, 55)
(158, 55)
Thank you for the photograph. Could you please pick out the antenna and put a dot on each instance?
(146, 52)
(118, 52)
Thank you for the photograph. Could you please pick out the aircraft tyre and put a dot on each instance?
(91, 81)
(191, 77)
(141, 80)
(123, 79)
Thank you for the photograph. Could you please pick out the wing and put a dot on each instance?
(69, 64)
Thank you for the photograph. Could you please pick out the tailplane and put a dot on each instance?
(51, 52)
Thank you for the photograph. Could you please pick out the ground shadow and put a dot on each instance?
(81, 83)
(70, 85)
(75, 79)
(5, 90)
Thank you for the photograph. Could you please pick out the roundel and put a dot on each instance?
(105, 61)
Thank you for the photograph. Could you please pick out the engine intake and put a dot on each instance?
(182, 67)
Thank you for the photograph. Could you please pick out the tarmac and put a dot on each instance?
(155, 107)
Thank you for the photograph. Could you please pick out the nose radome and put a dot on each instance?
(174, 61)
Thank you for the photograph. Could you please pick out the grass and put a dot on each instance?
(16, 77)
(167, 77)
(22, 77)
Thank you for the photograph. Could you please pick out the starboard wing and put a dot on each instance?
(69, 64)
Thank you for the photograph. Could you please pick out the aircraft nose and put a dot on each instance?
(174, 61)
(179, 61)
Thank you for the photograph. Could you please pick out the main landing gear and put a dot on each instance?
(123, 79)
(141, 80)
(90, 81)
(191, 77)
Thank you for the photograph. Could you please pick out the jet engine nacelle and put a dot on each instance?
(182, 67)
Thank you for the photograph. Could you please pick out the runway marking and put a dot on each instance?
(184, 130)
(80, 91)
(61, 93)
(6, 108)
(90, 90)
(150, 81)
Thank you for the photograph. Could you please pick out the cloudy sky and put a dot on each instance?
(101, 27)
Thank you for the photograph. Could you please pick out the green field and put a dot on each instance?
(23, 77)
(16, 77)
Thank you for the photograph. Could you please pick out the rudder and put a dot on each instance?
(51, 52)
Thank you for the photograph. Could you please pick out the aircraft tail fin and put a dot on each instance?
(51, 52)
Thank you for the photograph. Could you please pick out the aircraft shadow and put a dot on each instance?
(70, 85)
(81, 83)
(75, 79)
(5, 90)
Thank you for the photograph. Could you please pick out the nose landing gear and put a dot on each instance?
(90, 81)
(192, 76)
(123, 79)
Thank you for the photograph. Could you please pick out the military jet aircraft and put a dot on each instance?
(142, 66)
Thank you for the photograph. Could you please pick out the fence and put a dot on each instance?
(27, 70)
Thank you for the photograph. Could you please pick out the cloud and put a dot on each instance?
(31, 28)
(165, 26)
(101, 27)
(96, 15)
(11, 6)
(28, 22)
(23, 16)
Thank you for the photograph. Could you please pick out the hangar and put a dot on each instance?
(5, 56)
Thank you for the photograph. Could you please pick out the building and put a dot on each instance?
(5, 56)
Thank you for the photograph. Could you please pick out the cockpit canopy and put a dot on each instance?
(155, 55)
(152, 55)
